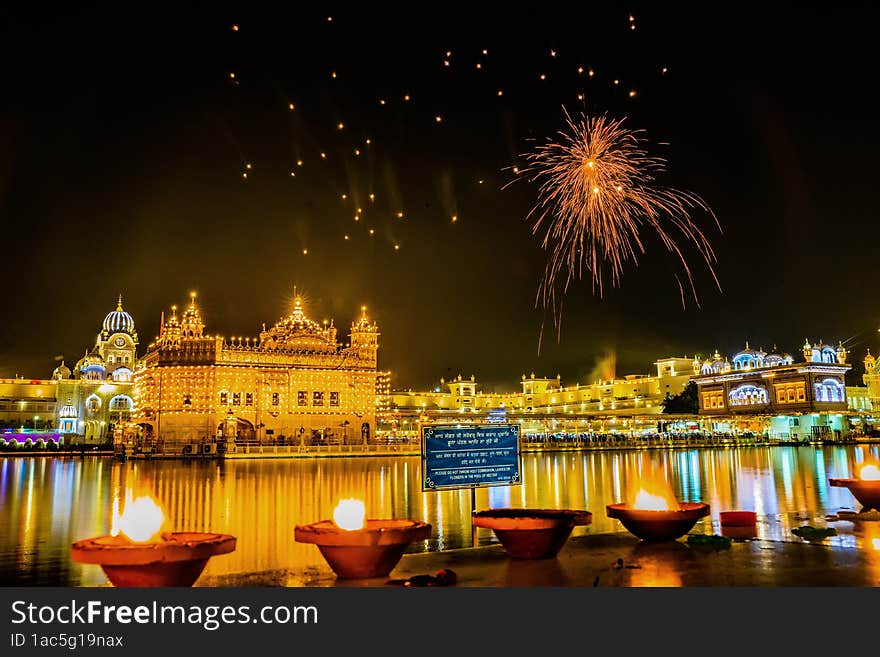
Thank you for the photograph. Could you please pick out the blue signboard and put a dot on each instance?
(467, 457)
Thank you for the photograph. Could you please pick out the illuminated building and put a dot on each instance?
(86, 403)
(871, 378)
(294, 384)
(544, 405)
(771, 393)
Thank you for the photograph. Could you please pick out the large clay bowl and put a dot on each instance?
(653, 526)
(866, 491)
(363, 553)
(532, 533)
(177, 560)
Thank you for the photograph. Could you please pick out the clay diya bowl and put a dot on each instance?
(653, 526)
(866, 491)
(532, 533)
(372, 551)
(176, 560)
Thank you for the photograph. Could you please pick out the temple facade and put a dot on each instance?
(545, 405)
(293, 384)
(784, 397)
(83, 404)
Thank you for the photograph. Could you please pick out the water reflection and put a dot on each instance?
(48, 503)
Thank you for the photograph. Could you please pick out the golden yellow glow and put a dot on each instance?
(406, 97)
(293, 174)
(323, 156)
(344, 196)
(244, 175)
(299, 163)
(247, 166)
(305, 252)
(479, 65)
(340, 125)
(580, 70)
(400, 215)
(654, 494)
(397, 247)
(500, 93)
(372, 197)
(349, 514)
(644, 500)
(372, 231)
(346, 237)
(454, 218)
(591, 73)
(438, 118)
(595, 190)
(232, 76)
(543, 76)
(553, 53)
(632, 93)
(235, 28)
(357, 151)
(664, 70)
(381, 101)
(291, 106)
(333, 74)
(140, 520)
(869, 472)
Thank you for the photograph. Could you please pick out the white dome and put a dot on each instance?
(119, 321)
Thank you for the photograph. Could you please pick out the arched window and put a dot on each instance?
(121, 403)
(830, 390)
(748, 395)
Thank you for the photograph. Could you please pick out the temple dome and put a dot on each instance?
(61, 372)
(118, 321)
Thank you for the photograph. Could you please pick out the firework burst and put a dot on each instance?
(597, 196)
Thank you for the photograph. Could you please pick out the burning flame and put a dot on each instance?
(349, 514)
(655, 496)
(869, 473)
(140, 520)
(644, 500)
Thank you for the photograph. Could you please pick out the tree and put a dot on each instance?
(684, 403)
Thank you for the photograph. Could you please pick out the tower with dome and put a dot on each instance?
(95, 396)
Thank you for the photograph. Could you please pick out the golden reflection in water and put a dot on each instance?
(48, 503)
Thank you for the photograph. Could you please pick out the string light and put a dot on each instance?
(340, 125)
(438, 118)
(235, 28)
(400, 215)
(291, 107)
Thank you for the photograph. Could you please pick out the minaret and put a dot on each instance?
(365, 337)
(841, 353)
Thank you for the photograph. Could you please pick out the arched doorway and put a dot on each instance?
(237, 429)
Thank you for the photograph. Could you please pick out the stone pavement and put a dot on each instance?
(615, 559)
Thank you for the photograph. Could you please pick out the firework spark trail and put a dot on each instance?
(597, 192)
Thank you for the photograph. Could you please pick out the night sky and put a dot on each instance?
(123, 140)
